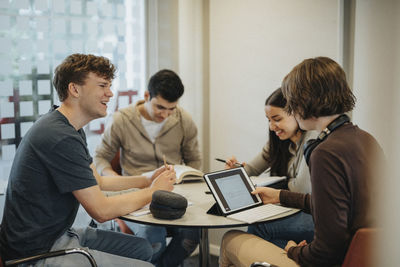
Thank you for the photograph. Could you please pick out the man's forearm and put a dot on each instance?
(108, 171)
(118, 183)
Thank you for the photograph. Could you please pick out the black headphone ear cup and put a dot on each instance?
(309, 147)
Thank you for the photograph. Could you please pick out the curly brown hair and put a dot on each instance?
(317, 87)
(76, 67)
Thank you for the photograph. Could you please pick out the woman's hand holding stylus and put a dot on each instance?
(233, 163)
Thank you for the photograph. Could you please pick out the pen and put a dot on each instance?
(165, 162)
(222, 160)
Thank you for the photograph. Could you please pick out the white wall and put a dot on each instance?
(377, 87)
(374, 68)
(191, 59)
(253, 45)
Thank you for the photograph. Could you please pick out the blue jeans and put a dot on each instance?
(297, 227)
(184, 242)
(108, 249)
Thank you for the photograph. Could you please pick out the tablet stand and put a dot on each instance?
(215, 210)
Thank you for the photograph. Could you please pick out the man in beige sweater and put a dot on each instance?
(143, 133)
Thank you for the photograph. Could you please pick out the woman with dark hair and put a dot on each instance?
(283, 155)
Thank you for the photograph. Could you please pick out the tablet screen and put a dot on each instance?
(232, 190)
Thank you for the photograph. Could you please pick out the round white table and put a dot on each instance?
(196, 216)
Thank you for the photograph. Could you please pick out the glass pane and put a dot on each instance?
(58, 6)
(22, 23)
(41, 5)
(76, 7)
(44, 87)
(5, 67)
(25, 87)
(8, 152)
(59, 26)
(44, 106)
(4, 23)
(6, 110)
(76, 26)
(25, 67)
(26, 108)
(25, 127)
(6, 88)
(7, 131)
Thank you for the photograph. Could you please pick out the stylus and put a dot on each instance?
(224, 161)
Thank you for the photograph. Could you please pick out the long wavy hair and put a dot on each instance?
(278, 150)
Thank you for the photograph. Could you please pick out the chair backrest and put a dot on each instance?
(360, 250)
(52, 254)
(115, 165)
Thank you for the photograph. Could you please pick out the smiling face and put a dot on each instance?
(284, 125)
(158, 108)
(95, 93)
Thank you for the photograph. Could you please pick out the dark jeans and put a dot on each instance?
(184, 242)
(297, 227)
(108, 249)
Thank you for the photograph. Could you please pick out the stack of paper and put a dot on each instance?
(265, 180)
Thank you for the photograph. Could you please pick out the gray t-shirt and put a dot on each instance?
(51, 161)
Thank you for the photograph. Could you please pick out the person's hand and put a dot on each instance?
(302, 243)
(291, 243)
(158, 171)
(164, 181)
(233, 163)
(268, 195)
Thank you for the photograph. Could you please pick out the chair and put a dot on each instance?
(359, 252)
(51, 254)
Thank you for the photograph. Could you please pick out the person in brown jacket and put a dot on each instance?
(343, 161)
(144, 133)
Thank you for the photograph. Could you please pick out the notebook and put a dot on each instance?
(232, 189)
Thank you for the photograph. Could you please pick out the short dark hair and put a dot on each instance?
(317, 87)
(76, 67)
(167, 84)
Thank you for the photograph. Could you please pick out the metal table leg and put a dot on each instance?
(204, 253)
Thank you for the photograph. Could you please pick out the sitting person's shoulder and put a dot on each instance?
(125, 113)
(183, 114)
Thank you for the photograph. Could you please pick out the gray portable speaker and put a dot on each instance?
(167, 205)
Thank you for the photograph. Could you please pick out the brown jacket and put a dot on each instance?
(342, 171)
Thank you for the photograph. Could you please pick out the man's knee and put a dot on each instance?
(189, 245)
(146, 251)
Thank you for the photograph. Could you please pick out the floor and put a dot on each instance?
(193, 261)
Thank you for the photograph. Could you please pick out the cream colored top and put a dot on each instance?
(299, 175)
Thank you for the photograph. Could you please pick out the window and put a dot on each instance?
(36, 35)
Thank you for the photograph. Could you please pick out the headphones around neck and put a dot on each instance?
(311, 144)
